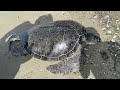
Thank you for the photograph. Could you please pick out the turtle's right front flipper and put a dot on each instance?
(84, 66)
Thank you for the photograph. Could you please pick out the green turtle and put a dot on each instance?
(56, 41)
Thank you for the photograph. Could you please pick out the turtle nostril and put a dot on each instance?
(99, 39)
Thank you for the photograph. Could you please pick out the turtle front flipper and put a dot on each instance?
(84, 66)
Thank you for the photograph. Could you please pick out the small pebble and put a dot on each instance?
(107, 16)
(104, 29)
(117, 21)
(100, 21)
(109, 32)
(117, 28)
(63, 13)
(85, 48)
(113, 40)
(107, 26)
(75, 11)
(96, 16)
(114, 36)
(88, 55)
(104, 72)
(90, 60)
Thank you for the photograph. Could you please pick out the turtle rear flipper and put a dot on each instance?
(60, 68)
(68, 65)
(72, 64)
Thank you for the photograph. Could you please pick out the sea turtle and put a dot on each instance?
(59, 40)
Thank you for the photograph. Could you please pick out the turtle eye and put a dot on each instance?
(97, 38)
(83, 31)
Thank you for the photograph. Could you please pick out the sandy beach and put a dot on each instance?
(31, 68)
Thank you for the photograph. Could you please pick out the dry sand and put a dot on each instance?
(32, 68)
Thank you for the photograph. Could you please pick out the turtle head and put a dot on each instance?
(91, 38)
(17, 46)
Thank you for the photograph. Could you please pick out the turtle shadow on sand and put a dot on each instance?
(103, 61)
(9, 64)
